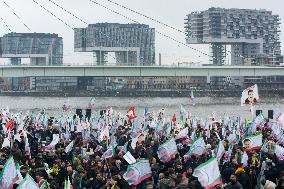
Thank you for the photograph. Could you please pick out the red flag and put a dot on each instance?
(10, 125)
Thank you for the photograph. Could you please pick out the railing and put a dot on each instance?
(138, 65)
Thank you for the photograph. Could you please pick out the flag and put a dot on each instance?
(29, 183)
(9, 175)
(146, 109)
(259, 122)
(268, 147)
(55, 140)
(280, 119)
(208, 174)
(250, 96)
(92, 102)
(192, 98)
(109, 153)
(182, 114)
(174, 118)
(229, 152)
(232, 138)
(138, 172)
(253, 142)
(129, 158)
(68, 184)
(69, 147)
(104, 134)
(220, 151)
(193, 136)
(244, 159)
(182, 134)
(10, 125)
(279, 152)
(7, 141)
(167, 151)
(66, 106)
(197, 148)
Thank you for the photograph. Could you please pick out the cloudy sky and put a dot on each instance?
(171, 12)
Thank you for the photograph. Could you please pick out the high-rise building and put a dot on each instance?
(252, 35)
(131, 43)
(41, 48)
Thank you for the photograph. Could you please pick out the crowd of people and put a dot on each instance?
(90, 152)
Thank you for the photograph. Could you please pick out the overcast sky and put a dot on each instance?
(171, 12)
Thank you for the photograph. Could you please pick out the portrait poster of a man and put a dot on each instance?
(250, 96)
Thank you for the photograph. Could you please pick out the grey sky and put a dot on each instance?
(171, 12)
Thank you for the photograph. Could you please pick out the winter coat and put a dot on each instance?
(236, 185)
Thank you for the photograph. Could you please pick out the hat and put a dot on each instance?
(240, 170)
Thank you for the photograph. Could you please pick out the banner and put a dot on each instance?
(253, 142)
(138, 172)
(250, 96)
(8, 176)
(167, 151)
(208, 174)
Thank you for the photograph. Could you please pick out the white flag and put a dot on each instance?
(129, 158)
(208, 173)
(9, 175)
(104, 133)
(55, 140)
(244, 159)
(69, 147)
(7, 141)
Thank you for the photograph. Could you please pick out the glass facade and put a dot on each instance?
(33, 44)
(114, 35)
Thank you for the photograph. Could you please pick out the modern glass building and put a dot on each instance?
(131, 43)
(253, 36)
(41, 48)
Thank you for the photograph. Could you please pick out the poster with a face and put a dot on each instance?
(250, 96)
(132, 175)
(163, 154)
(247, 144)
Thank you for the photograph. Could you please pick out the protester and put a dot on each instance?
(112, 151)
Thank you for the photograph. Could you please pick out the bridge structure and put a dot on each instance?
(138, 71)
